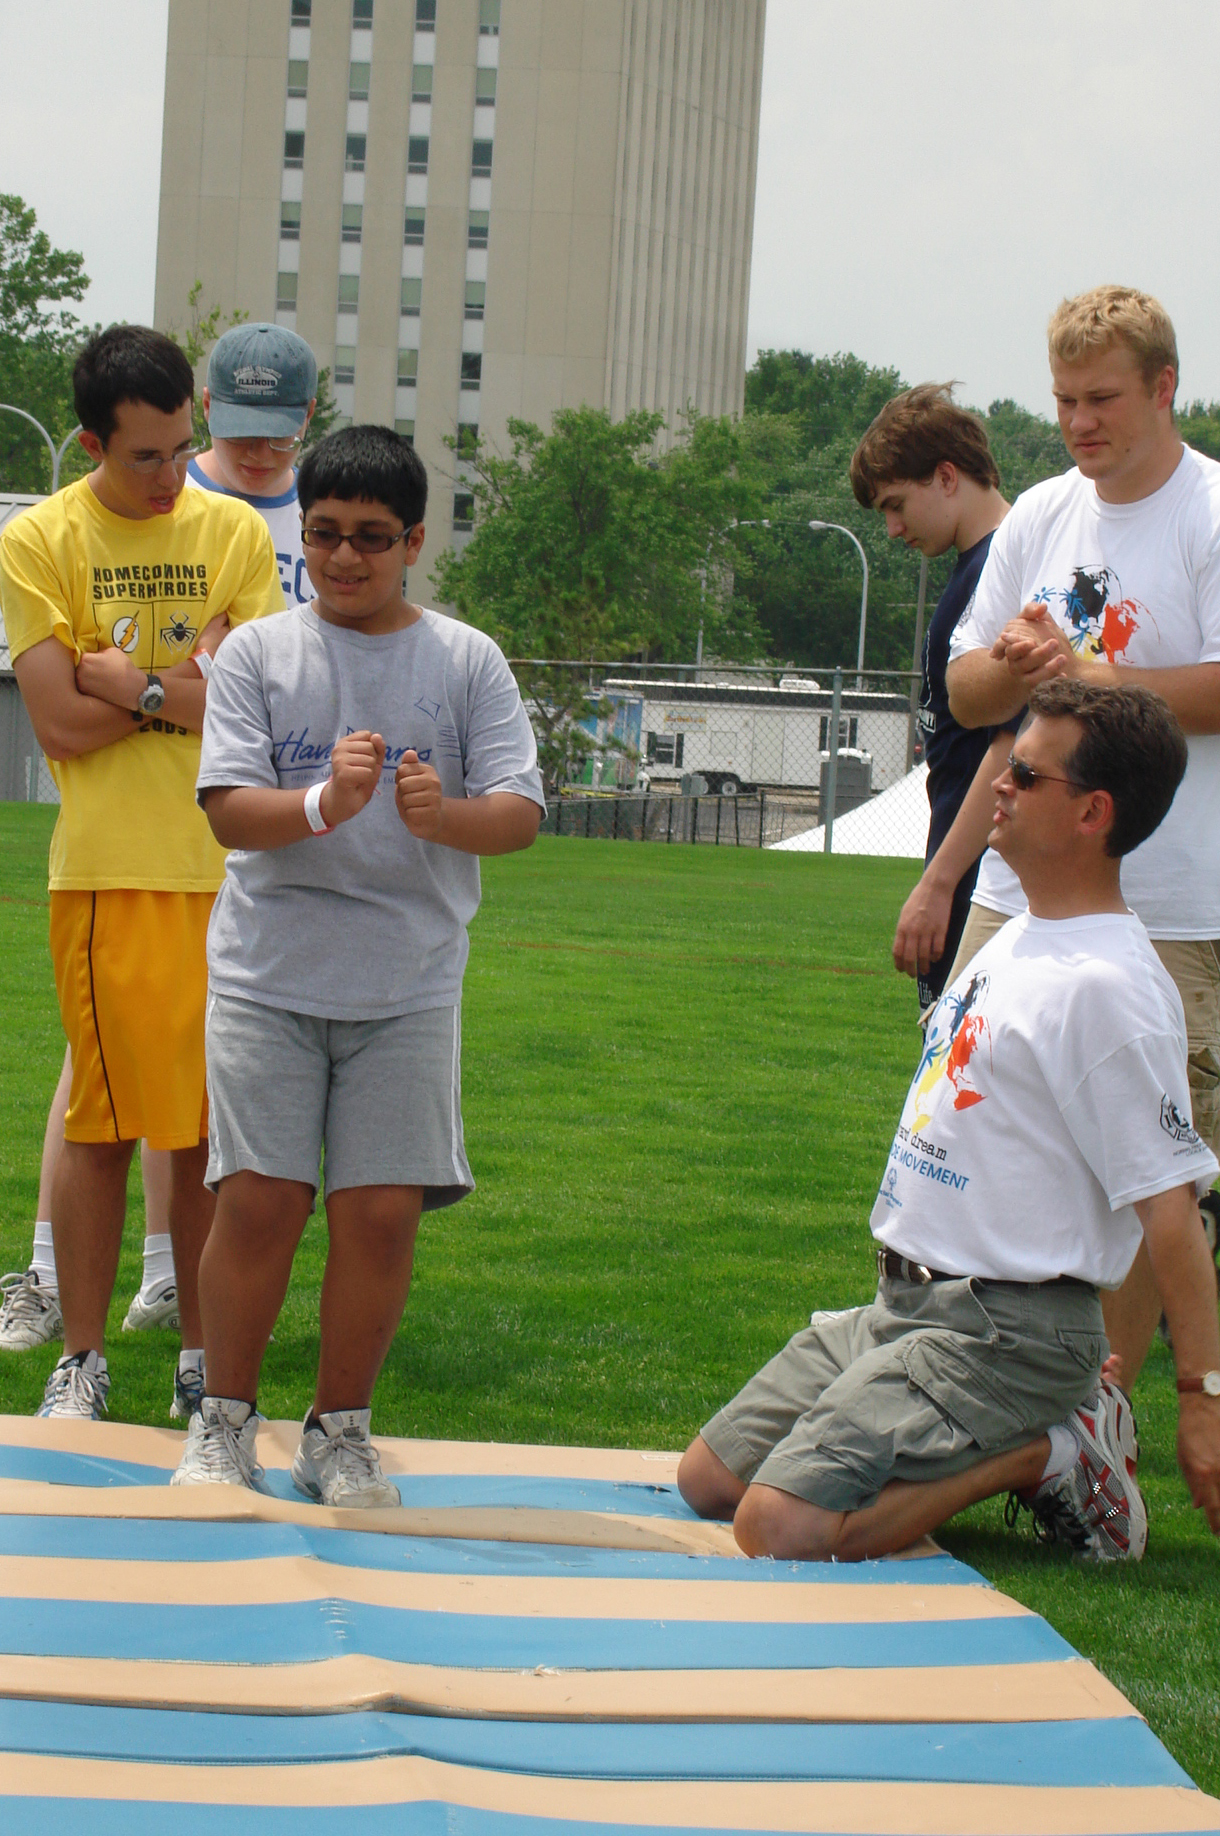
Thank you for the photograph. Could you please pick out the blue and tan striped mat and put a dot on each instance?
(541, 1641)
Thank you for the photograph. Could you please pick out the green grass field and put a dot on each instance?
(682, 1070)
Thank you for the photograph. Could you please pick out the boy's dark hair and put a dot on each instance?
(1131, 746)
(369, 462)
(128, 363)
(913, 434)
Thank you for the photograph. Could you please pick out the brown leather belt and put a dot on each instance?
(900, 1268)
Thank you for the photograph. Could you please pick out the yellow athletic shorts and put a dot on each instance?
(132, 978)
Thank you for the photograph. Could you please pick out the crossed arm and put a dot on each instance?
(986, 687)
(243, 816)
(76, 708)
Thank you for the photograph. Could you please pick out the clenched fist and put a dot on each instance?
(417, 790)
(355, 772)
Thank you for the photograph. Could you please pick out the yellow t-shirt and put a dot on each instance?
(73, 570)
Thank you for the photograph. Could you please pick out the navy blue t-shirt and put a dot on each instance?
(953, 753)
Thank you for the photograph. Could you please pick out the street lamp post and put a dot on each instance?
(57, 454)
(754, 523)
(863, 597)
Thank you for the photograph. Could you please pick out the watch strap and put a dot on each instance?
(1207, 1385)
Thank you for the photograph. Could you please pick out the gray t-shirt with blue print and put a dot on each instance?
(367, 921)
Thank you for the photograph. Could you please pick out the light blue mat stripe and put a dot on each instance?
(443, 1491)
(1058, 1753)
(300, 1632)
(139, 1540)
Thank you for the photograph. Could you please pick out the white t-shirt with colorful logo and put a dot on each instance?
(282, 516)
(1128, 583)
(1051, 1096)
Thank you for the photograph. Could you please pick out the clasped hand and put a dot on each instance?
(1034, 648)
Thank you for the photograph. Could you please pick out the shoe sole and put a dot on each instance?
(1118, 1445)
(150, 1320)
(47, 1338)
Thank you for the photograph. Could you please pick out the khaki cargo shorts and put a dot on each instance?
(923, 1383)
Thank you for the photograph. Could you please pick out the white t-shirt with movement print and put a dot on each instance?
(1052, 1095)
(1128, 583)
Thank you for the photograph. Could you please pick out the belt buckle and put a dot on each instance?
(918, 1272)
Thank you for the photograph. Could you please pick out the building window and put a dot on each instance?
(848, 731)
(290, 221)
(467, 440)
(480, 159)
(489, 16)
(476, 299)
(285, 292)
(412, 291)
(362, 15)
(413, 226)
(298, 76)
(425, 15)
(354, 157)
(345, 363)
(300, 12)
(349, 292)
(463, 510)
(294, 149)
(477, 233)
(472, 369)
(665, 748)
(407, 430)
(358, 82)
(408, 367)
(421, 83)
(417, 153)
(485, 87)
(353, 222)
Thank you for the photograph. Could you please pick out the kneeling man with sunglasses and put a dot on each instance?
(357, 758)
(1046, 1134)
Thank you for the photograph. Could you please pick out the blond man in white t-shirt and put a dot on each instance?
(1045, 1135)
(1111, 574)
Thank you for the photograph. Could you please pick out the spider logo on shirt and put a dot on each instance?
(178, 632)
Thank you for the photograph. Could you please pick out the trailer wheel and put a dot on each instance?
(729, 786)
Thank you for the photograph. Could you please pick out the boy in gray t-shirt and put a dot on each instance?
(359, 753)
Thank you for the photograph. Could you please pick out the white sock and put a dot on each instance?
(190, 1360)
(42, 1262)
(1065, 1450)
(158, 1266)
(91, 1360)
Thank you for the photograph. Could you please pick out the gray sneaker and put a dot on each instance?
(1096, 1506)
(338, 1464)
(220, 1446)
(78, 1388)
(189, 1389)
(161, 1310)
(29, 1314)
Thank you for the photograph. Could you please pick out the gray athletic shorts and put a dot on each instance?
(923, 1383)
(382, 1097)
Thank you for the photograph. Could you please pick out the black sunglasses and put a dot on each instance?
(1025, 777)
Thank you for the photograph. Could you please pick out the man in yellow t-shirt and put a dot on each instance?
(107, 590)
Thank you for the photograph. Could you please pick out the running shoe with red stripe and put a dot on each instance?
(1096, 1506)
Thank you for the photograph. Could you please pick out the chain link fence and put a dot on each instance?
(803, 760)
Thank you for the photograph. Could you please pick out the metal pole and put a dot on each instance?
(917, 661)
(832, 772)
(855, 540)
(10, 409)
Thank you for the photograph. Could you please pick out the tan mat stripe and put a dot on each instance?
(274, 1580)
(234, 1505)
(839, 1809)
(1071, 1691)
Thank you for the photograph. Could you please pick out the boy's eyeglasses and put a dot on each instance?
(248, 442)
(148, 468)
(1025, 777)
(364, 541)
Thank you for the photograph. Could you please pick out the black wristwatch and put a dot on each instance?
(151, 699)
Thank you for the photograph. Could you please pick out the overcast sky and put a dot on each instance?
(933, 174)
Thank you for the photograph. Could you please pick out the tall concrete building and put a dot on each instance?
(472, 209)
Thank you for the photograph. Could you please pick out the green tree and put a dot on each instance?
(1199, 426)
(39, 338)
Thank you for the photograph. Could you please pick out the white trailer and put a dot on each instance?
(739, 737)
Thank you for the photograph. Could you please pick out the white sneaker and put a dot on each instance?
(220, 1446)
(337, 1463)
(1096, 1506)
(78, 1388)
(29, 1314)
(190, 1387)
(160, 1310)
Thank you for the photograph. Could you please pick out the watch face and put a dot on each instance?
(1211, 1383)
(152, 699)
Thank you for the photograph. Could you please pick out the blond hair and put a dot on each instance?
(1105, 316)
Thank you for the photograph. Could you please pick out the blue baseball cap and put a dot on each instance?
(261, 380)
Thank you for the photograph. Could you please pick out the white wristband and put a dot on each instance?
(313, 810)
(202, 660)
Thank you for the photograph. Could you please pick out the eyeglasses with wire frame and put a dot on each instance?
(1025, 777)
(155, 462)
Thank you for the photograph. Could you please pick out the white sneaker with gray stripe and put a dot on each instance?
(338, 1464)
(220, 1445)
